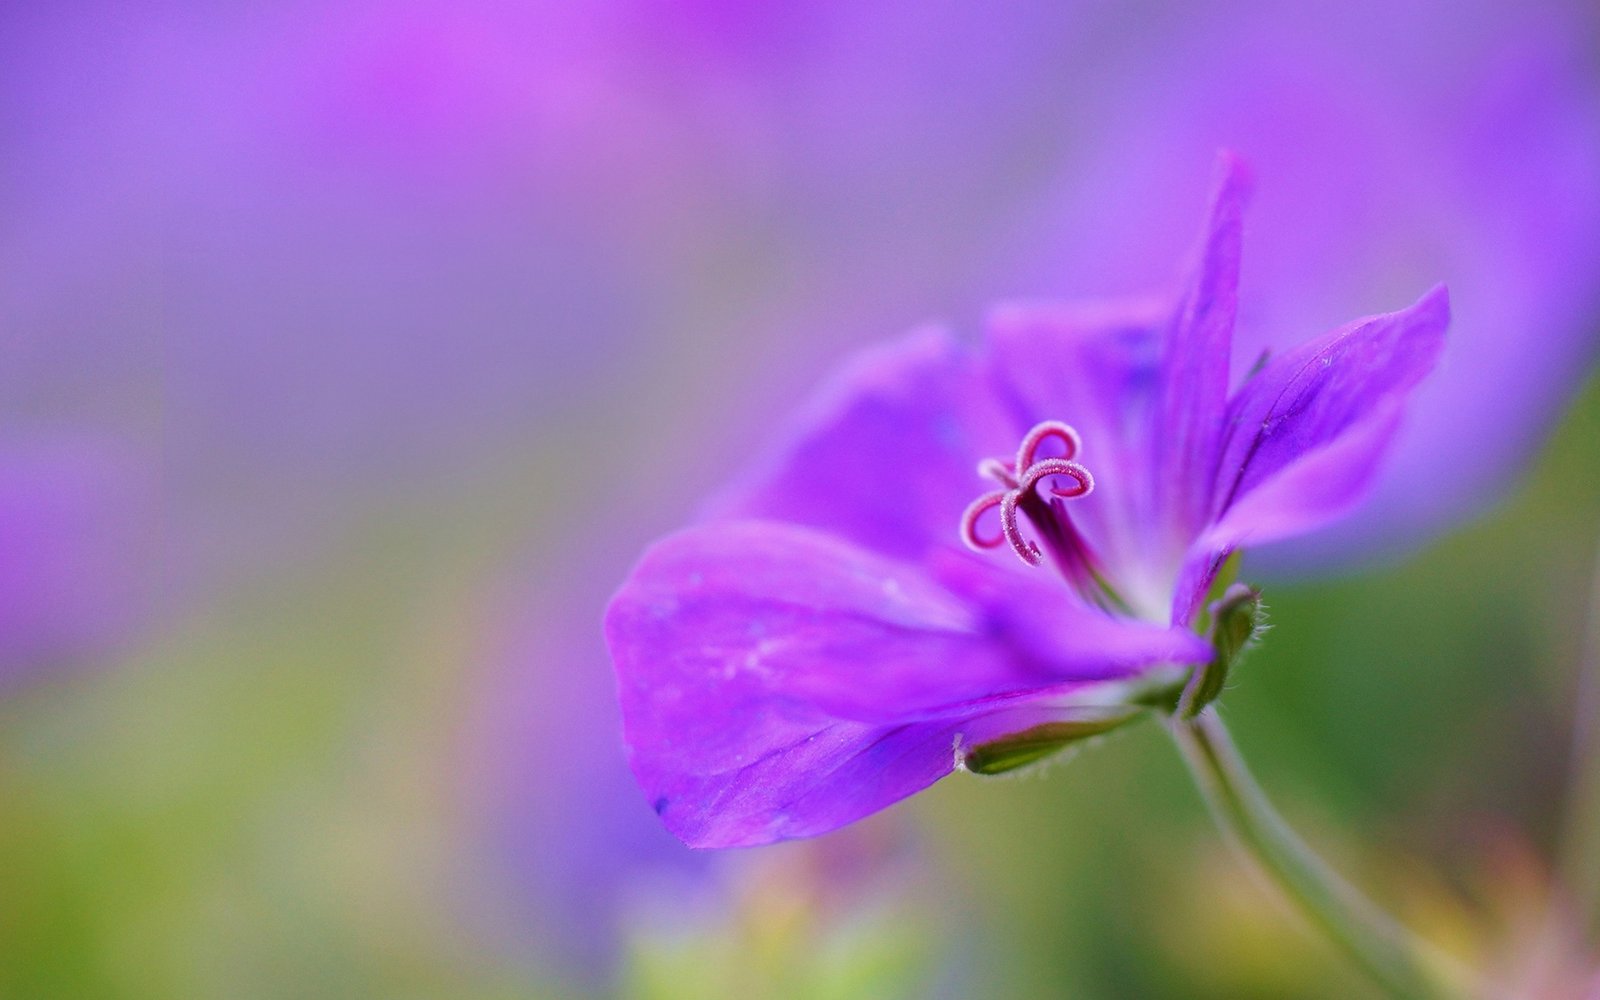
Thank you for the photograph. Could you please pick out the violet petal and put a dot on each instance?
(779, 682)
(886, 454)
(1195, 357)
(1305, 400)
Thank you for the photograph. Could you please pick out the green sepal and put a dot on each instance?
(1235, 621)
(1039, 742)
(1162, 697)
(1221, 584)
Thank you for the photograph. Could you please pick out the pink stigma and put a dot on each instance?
(1021, 481)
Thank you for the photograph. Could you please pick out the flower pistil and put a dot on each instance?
(1062, 479)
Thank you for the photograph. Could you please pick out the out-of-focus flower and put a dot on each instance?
(813, 652)
(826, 919)
(77, 552)
(561, 818)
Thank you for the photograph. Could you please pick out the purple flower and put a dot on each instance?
(825, 644)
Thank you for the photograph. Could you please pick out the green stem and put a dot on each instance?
(1580, 842)
(1382, 948)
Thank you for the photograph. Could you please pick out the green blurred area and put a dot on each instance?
(266, 803)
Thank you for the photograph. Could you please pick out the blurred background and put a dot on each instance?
(350, 353)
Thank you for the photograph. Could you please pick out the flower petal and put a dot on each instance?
(1195, 356)
(1298, 407)
(755, 660)
(1319, 486)
(886, 455)
(1306, 435)
(812, 775)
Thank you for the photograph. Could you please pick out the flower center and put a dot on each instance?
(1037, 488)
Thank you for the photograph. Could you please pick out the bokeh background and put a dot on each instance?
(350, 353)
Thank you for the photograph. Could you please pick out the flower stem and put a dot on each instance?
(1383, 949)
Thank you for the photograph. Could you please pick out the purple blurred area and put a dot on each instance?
(306, 251)
(75, 516)
(324, 249)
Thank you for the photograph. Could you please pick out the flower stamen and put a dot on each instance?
(1071, 443)
(1026, 549)
(1062, 478)
(969, 522)
(1053, 467)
